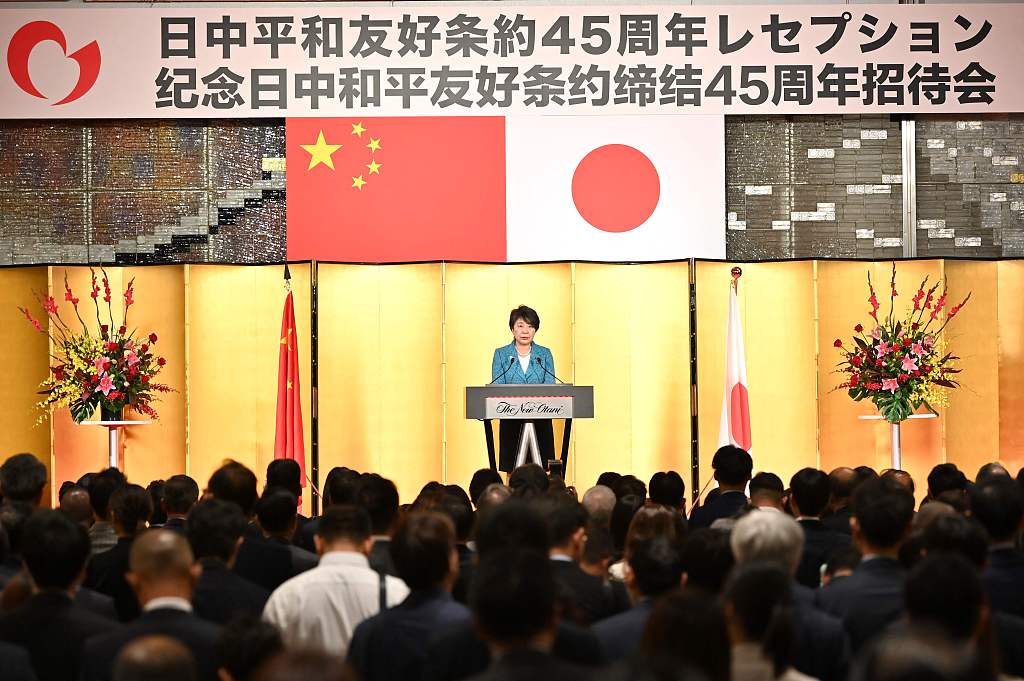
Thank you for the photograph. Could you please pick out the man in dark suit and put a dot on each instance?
(652, 567)
(733, 467)
(214, 531)
(379, 497)
(996, 504)
(50, 626)
(22, 479)
(872, 597)
(180, 494)
(809, 495)
(130, 509)
(154, 658)
(842, 482)
(15, 664)
(163, 576)
(278, 521)
(287, 474)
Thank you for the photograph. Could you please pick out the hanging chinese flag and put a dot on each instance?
(735, 426)
(288, 440)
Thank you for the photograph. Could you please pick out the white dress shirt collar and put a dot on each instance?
(168, 603)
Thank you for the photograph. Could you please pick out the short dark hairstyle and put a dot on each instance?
(461, 514)
(454, 490)
(622, 515)
(732, 465)
(154, 657)
(285, 473)
(706, 559)
(422, 547)
(528, 480)
(13, 516)
(864, 473)
(562, 515)
(630, 484)
(341, 485)
(276, 510)
(599, 544)
(945, 591)
(235, 483)
(843, 558)
(668, 489)
(657, 565)
(956, 534)
(761, 596)
(811, 491)
(65, 487)
(843, 481)
(180, 494)
(379, 497)
(902, 477)
(245, 644)
(156, 495)
(481, 479)
(102, 487)
(22, 478)
(608, 479)
(527, 314)
(513, 595)
(513, 525)
(945, 477)
(57, 551)
(689, 628)
(345, 522)
(132, 506)
(884, 510)
(990, 470)
(213, 528)
(768, 482)
(996, 503)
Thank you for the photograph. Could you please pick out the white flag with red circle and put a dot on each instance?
(735, 425)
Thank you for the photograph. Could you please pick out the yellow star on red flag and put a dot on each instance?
(320, 152)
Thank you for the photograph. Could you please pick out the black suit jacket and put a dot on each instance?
(1008, 633)
(380, 557)
(867, 601)
(726, 505)
(106, 574)
(620, 634)
(176, 524)
(1004, 581)
(15, 664)
(822, 650)
(196, 634)
(839, 521)
(264, 562)
(819, 543)
(97, 603)
(533, 665)
(587, 598)
(221, 595)
(53, 630)
(304, 535)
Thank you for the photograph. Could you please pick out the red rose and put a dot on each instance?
(161, 361)
(915, 326)
(122, 330)
(878, 363)
(874, 386)
(144, 348)
(854, 379)
(908, 341)
(925, 368)
(857, 360)
(114, 394)
(916, 374)
(111, 346)
(858, 328)
(104, 329)
(152, 338)
(145, 379)
(902, 378)
(838, 343)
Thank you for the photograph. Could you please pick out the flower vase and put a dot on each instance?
(897, 451)
(108, 414)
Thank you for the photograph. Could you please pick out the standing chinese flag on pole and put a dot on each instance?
(288, 441)
(735, 428)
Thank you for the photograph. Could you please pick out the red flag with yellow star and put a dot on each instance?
(288, 440)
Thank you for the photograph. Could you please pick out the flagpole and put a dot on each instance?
(314, 381)
(694, 411)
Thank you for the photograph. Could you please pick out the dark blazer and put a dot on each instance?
(725, 505)
(822, 650)
(176, 524)
(1004, 580)
(380, 557)
(840, 520)
(196, 634)
(533, 665)
(620, 634)
(392, 645)
(304, 535)
(867, 601)
(302, 559)
(53, 630)
(819, 543)
(106, 574)
(15, 664)
(221, 595)
(264, 562)
(97, 603)
(587, 598)
(1008, 633)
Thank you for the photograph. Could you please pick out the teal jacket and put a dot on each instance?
(506, 357)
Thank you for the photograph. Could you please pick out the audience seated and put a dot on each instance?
(528, 481)
(180, 494)
(480, 481)
(996, 503)
(154, 658)
(244, 646)
(706, 559)
(22, 479)
(732, 467)
(767, 491)
(379, 497)
(74, 503)
(278, 520)
(101, 487)
(948, 484)
(668, 489)
(842, 483)
(809, 495)
(130, 509)
(493, 495)
(338, 489)
(287, 474)
(599, 502)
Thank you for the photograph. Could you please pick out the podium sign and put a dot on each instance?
(552, 407)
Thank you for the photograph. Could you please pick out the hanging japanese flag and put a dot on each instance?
(735, 426)
(496, 189)
(288, 438)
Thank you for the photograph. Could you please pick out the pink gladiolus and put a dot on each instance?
(876, 333)
(50, 305)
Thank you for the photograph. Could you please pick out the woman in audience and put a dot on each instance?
(688, 628)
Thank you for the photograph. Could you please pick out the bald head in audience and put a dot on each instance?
(75, 505)
(161, 565)
(599, 502)
(154, 658)
(493, 495)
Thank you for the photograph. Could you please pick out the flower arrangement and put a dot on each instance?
(108, 371)
(902, 364)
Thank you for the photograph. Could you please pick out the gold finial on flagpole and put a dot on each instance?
(736, 274)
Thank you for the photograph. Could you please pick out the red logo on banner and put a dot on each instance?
(32, 34)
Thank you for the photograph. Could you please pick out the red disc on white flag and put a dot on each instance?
(616, 188)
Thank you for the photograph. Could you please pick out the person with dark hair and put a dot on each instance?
(50, 626)
(393, 644)
(235, 483)
(308, 665)
(842, 483)
(130, 509)
(668, 489)
(13, 516)
(214, 531)
(154, 658)
(916, 653)
(688, 629)
(481, 479)
(653, 567)
(460, 512)
(287, 474)
(608, 479)
(863, 474)
(707, 559)
(74, 503)
(528, 481)
(732, 467)
(379, 497)
(244, 645)
(954, 533)
(156, 496)
(320, 608)
(278, 521)
(598, 551)
(872, 597)
(180, 494)
(991, 470)
(622, 516)
(997, 503)
(810, 491)
(23, 478)
(767, 491)
(339, 489)
(493, 495)
(102, 536)
(901, 477)
(947, 483)
(840, 564)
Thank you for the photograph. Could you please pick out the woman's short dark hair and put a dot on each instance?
(527, 314)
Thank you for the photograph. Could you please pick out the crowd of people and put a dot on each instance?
(833, 576)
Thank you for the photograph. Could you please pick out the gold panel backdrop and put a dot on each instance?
(1011, 363)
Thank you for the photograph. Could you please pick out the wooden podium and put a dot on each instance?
(529, 401)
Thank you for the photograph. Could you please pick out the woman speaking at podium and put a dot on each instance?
(523, 361)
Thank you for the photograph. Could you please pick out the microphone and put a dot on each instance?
(548, 372)
(507, 367)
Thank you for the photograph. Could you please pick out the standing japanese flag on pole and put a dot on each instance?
(735, 428)
(288, 439)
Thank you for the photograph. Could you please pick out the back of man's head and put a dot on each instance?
(13, 517)
(481, 479)
(493, 495)
(512, 525)
(766, 489)
(767, 537)
(344, 524)
(608, 479)
(842, 481)
(944, 590)
(101, 487)
(529, 480)
(667, 489)
(159, 558)
(56, 550)
(883, 511)
(244, 645)
(900, 477)
(707, 559)
(656, 565)
(235, 483)
(213, 529)
(460, 512)
(341, 485)
(74, 503)
(630, 484)
(379, 497)
(422, 549)
(130, 508)
(154, 658)
(997, 504)
(946, 477)
(732, 466)
(953, 533)
(810, 489)
(285, 473)
(991, 470)
(564, 517)
(180, 494)
(599, 501)
(513, 596)
(22, 478)
(276, 511)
